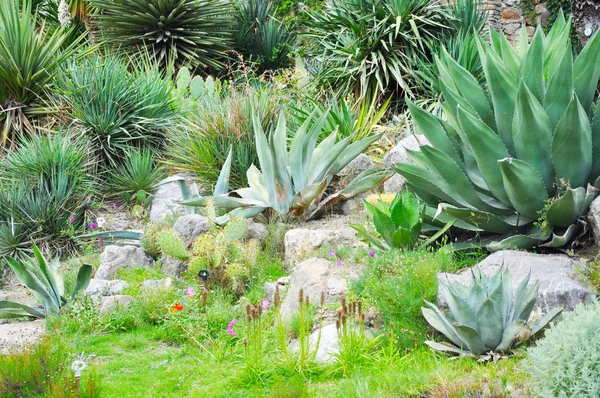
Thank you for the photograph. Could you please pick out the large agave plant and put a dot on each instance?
(487, 316)
(518, 157)
(294, 180)
(45, 281)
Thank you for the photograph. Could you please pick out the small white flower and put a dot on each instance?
(100, 222)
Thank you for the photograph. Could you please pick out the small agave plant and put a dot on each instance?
(516, 158)
(488, 316)
(294, 180)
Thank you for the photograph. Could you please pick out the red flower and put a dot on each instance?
(176, 308)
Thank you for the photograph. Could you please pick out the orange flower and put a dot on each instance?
(176, 308)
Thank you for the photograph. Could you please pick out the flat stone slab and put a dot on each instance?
(102, 287)
(555, 273)
(14, 337)
(329, 344)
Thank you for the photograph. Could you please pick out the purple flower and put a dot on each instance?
(265, 304)
(93, 225)
(372, 254)
(332, 253)
(230, 328)
(189, 291)
(114, 206)
(340, 262)
(72, 218)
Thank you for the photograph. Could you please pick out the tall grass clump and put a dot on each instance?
(219, 124)
(118, 106)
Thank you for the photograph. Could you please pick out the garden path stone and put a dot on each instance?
(14, 337)
(314, 276)
(306, 242)
(19, 296)
(115, 258)
(102, 287)
(328, 344)
(594, 219)
(166, 198)
(399, 154)
(110, 303)
(555, 273)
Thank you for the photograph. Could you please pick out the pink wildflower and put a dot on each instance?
(230, 328)
(332, 253)
(190, 291)
(372, 254)
(340, 262)
(265, 304)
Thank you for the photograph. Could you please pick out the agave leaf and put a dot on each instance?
(352, 151)
(596, 143)
(37, 288)
(519, 293)
(431, 127)
(438, 321)
(532, 66)
(225, 202)
(524, 187)
(510, 333)
(19, 309)
(560, 89)
(446, 348)
(439, 233)
(586, 71)
(514, 242)
(560, 239)
(470, 89)
(489, 324)
(460, 309)
(523, 303)
(83, 278)
(131, 235)
(507, 297)
(471, 338)
(222, 186)
(487, 148)
(44, 271)
(503, 89)
(550, 315)
(532, 135)
(307, 195)
(485, 221)
(510, 58)
(424, 180)
(454, 101)
(572, 146)
(564, 211)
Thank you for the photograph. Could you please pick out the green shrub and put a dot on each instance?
(116, 108)
(262, 39)
(565, 363)
(516, 156)
(29, 58)
(175, 32)
(220, 124)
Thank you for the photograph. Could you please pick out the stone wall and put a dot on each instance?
(507, 15)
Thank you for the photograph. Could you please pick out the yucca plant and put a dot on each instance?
(129, 108)
(139, 173)
(176, 32)
(29, 58)
(488, 316)
(398, 224)
(260, 37)
(517, 156)
(363, 45)
(293, 181)
(45, 281)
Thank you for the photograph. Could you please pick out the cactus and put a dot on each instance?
(211, 212)
(235, 229)
(252, 249)
(196, 87)
(172, 245)
(183, 79)
(209, 86)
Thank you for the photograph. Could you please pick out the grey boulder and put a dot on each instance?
(111, 303)
(14, 337)
(103, 287)
(115, 258)
(399, 154)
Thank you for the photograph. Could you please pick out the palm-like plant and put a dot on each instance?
(194, 32)
(361, 45)
(518, 161)
(29, 58)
